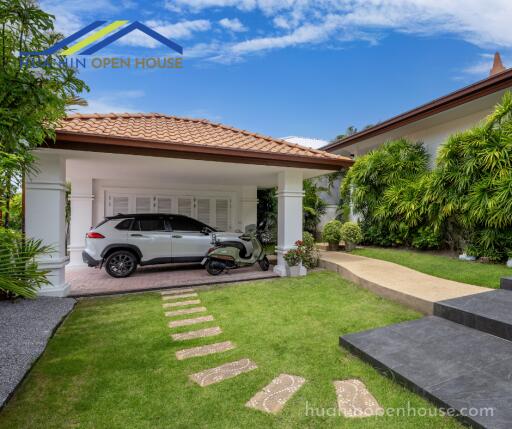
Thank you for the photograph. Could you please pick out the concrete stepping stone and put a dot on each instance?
(200, 333)
(177, 291)
(354, 400)
(273, 397)
(184, 295)
(185, 311)
(181, 303)
(204, 350)
(186, 322)
(223, 372)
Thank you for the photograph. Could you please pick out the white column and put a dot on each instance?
(289, 215)
(248, 206)
(81, 217)
(45, 216)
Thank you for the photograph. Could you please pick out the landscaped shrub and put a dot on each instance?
(427, 238)
(311, 256)
(331, 232)
(385, 190)
(464, 202)
(470, 197)
(350, 233)
(19, 272)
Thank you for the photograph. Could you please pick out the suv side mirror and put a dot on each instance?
(205, 231)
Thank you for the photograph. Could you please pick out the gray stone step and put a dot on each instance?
(489, 312)
(450, 364)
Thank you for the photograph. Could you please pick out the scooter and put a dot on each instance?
(222, 257)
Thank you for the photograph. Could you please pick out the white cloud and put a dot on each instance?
(68, 14)
(304, 35)
(482, 23)
(177, 31)
(233, 25)
(109, 102)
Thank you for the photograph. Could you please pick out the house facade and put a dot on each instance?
(145, 163)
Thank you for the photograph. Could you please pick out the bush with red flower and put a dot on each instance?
(296, 255)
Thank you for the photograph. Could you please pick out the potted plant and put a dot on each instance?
(294, 258)
(467, 253)
(509, 260)
(331, 234)
(350, 233)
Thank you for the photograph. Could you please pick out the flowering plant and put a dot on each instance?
(295, 256)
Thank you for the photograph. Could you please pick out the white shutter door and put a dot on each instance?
(203, 210)
(222, 214)
(164, 205)
(185, 206)
(120, 204)
(142, 204)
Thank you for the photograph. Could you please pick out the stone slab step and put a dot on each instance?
(177, 291)
(354, 399)
(193, 321)
(450, 364)
(489, 312)
(185, 311)
(273, 397)
(204, 350)
(184, 295)
(199, 333)
(223, 372)
(181, 303)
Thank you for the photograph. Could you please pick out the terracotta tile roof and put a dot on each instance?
(173, 130)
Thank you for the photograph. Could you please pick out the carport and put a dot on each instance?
(118, 163)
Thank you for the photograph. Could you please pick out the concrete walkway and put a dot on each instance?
(411, 288)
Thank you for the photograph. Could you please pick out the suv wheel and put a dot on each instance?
(121, 263)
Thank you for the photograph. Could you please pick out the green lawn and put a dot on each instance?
(112, 364)
(442, 266)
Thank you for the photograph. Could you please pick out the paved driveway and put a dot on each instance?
(92, 281)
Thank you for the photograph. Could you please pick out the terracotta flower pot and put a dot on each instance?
(334, 246)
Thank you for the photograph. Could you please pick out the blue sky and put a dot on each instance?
(293, 67)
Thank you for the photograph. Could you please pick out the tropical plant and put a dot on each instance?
(19, 271)
(311, 255)
(350, 233)
(331, 232)
(313, 206)
(384, 188)
(470, 192)
(32, 100)
(266, 215)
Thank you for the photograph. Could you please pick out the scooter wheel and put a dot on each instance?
(264, 264)
(215, 267)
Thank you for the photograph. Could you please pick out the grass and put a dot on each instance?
(112, 364)
(442, 266)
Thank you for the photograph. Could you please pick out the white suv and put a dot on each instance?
(124, 241)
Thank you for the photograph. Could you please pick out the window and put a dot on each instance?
(182, 223)
(120, 204)
(222, 215)
(124, 225)
(142, 204)
(149, 224)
